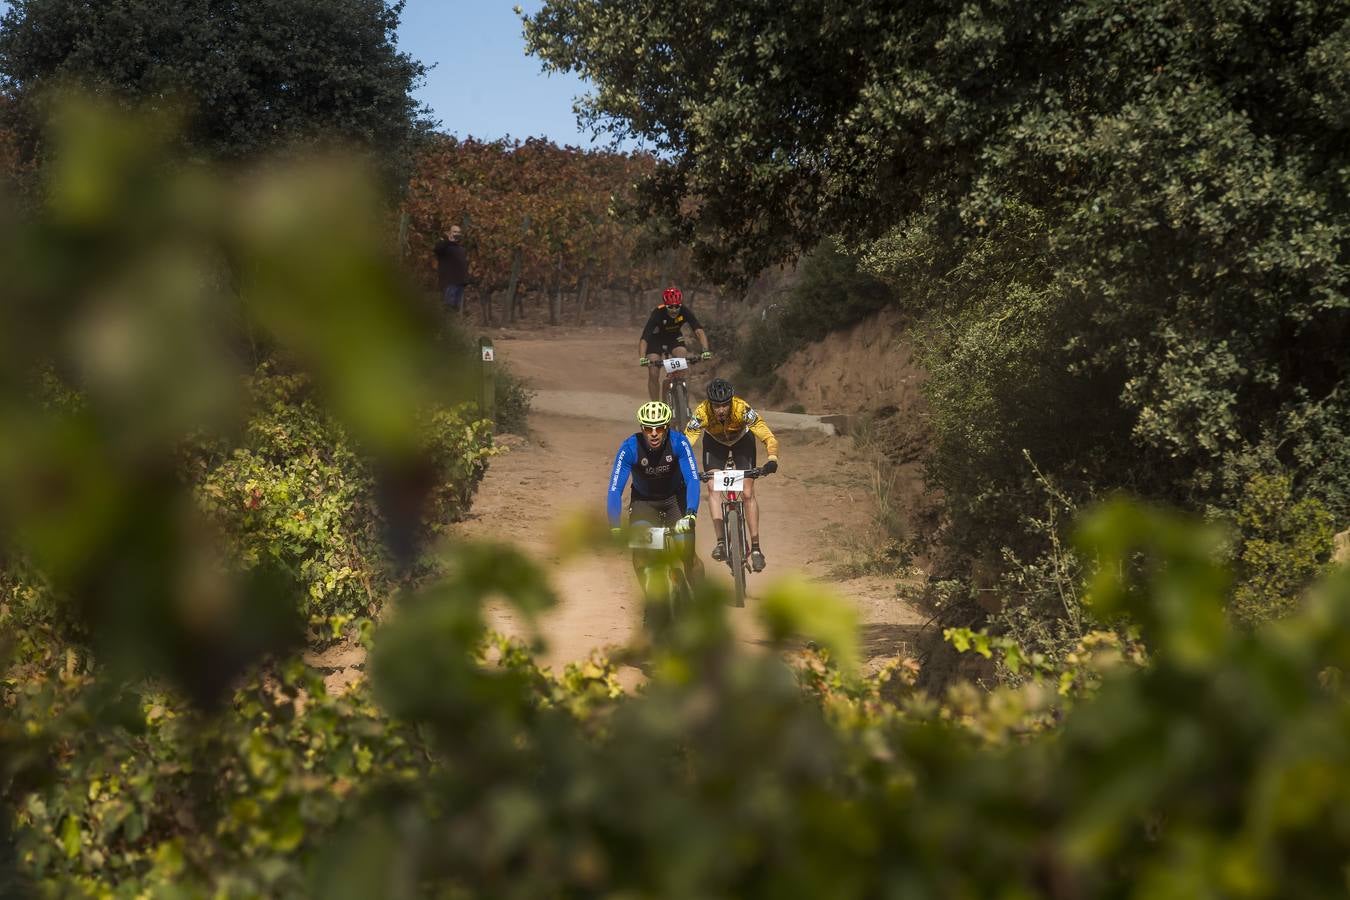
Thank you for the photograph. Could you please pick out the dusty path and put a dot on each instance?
(562, 467)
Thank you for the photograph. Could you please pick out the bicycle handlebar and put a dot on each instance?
(756, 472)
(692, 360)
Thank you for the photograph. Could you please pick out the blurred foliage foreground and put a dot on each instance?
(222, 414)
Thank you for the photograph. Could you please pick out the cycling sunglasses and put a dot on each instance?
(654, 429)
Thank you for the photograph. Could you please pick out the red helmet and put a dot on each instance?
(671, 296)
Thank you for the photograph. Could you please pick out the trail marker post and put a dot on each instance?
(487, 379)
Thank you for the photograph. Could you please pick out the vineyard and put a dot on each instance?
(542, 221)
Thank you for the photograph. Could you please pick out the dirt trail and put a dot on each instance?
(821, 495)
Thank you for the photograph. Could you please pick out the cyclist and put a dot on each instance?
(732, 426)
(665, 479)
(663, 336)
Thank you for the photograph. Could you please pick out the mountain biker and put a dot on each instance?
(665, 479)
(663, 336)
(732, 426)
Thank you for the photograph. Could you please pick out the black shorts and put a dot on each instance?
(666, 348)
(657, 512)
(742, 452)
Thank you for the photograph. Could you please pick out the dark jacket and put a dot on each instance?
(452, 263)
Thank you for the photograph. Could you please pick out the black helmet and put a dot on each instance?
(720, 391)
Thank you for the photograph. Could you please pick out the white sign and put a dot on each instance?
(724, 480)
(646, 538)
(675, 364)
(487, 354)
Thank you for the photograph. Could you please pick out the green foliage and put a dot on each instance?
(256, 76)
(512, 396)
(224, 805)
(1220, 765)
(513, 403)
(149, 330)
(1283, 547)
(298, 494)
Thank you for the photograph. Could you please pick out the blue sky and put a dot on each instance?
(483, 84)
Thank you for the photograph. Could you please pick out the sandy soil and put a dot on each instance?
(819, 501)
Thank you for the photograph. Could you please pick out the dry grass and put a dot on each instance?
(880, 548)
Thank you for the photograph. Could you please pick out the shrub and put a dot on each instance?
(1283, 545)
(299, 494)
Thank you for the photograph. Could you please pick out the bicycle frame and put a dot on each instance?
(735, 528)
(675, 386)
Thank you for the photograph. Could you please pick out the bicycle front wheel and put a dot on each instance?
(679, 396)
(680, 595)
(736, 550)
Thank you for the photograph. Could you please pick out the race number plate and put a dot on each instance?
(675, 364)
(645, 538)
(724, 480)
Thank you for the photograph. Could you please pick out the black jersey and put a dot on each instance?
(664, 330)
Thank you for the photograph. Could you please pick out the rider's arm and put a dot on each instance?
(652, 328)
(694, 427)
(618, 479)
(692, 321)
(761, 431)
(685, 451)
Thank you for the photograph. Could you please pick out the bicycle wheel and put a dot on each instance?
(658, 600)
(736, 551)
(680, 403)
(680, 594)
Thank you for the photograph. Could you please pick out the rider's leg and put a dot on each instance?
(719, 527)
(751, 510)
(757, 561)
(654, 375)
(719, 551)
(692, 564)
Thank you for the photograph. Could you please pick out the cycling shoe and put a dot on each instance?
(757, 560)
(720, 551)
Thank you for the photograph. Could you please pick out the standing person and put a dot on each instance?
(663, 336)
(732, 426)
(452, 268)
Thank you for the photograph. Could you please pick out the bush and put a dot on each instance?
(512, 398)
(300, 495)
(1283, 546)
(513, 403)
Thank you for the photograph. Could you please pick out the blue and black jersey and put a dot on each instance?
(667, 471)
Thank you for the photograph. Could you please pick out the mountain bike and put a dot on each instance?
(675, 387)
(730, 483)
(658, 555)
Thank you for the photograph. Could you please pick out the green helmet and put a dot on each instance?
(654, 413)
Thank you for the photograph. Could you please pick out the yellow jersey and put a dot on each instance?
(741, 419)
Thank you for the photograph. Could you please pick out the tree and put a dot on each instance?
(255, 75)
